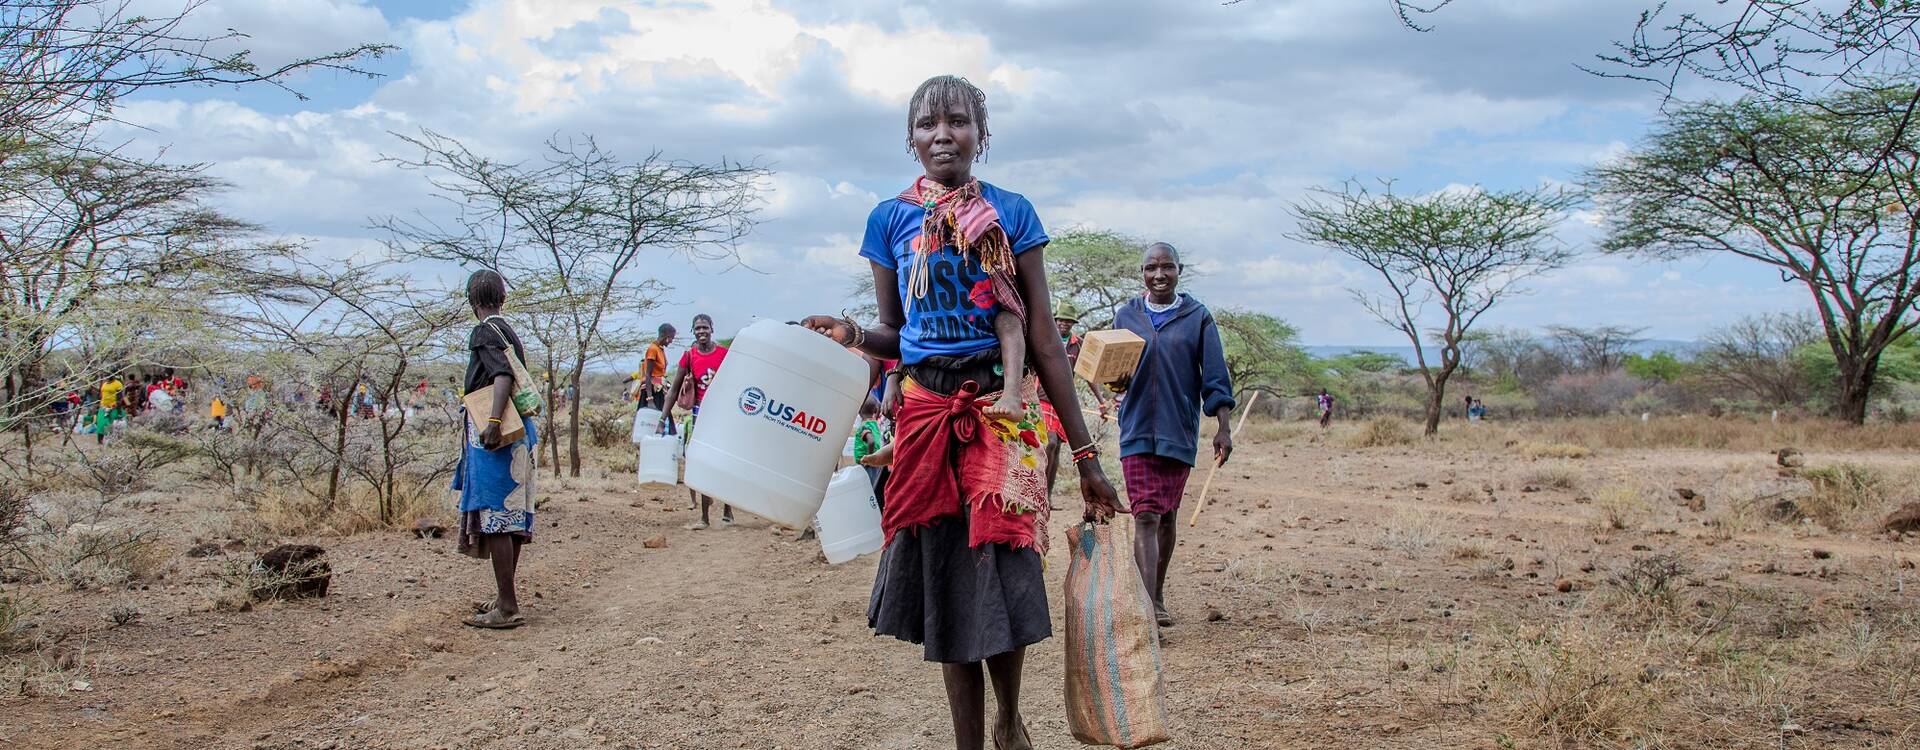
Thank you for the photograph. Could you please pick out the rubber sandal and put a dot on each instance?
(488, 622)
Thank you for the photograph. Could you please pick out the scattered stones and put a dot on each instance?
(1587, 567)
(1401, 666)
(1789, 458)
(204, 549)
(294, 571)
(1642, 548)
(1785, 511)
(1904, 519)
(1214, 615)
(427, 528)
(1820, 554)
(1563, 585)
(1685, 493)
(657, 541)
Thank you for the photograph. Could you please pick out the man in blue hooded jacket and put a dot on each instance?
(1182, 373)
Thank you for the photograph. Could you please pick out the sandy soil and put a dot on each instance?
(1299, 626)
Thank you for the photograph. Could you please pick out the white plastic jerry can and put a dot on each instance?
(645, 422)
(659, 460)
(774, 421)
(849, 519)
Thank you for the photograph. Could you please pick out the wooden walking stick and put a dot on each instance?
(1201, 504)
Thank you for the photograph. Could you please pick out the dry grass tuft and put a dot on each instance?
(1620, 507)
(1533, 450)
(1410, 531)
(1558, 476)
(285, 512)
(245, 581)
(1843, 495)
(1382, 433)
(1470, 551)
(1723, 433)
(1648, 590)
(1575, 685)
(15, 627)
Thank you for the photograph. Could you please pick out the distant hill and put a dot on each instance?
(1405, 353)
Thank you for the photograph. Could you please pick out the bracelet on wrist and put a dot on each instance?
(493, 420)
(859, 334)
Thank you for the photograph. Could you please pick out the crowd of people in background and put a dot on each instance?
(101, 407)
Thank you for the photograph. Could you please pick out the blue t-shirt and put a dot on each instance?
(1159, 319)
(956, 316)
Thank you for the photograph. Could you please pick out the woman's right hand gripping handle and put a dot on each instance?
(830, 327)
(1102, 501)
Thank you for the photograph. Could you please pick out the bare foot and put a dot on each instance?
(1008, 407)
(879, 458)
(1011, 735)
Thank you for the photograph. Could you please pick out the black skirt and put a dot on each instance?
(962, 604)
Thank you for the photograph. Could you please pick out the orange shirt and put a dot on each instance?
(655, 365)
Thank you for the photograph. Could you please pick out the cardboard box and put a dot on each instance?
(480, 406)
(1107, 356)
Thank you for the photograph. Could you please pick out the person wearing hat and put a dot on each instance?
(1065, 318)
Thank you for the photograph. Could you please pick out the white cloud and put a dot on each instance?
(1195, 123)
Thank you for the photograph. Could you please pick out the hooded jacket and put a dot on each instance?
(1182, 373)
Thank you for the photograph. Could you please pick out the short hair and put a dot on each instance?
(487, 288)
(666, 329)
(703, 316)
(941, 92)
(1171, 250)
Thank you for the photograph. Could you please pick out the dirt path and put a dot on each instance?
(1297, 630)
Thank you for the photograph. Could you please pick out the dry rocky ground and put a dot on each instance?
(1478, 592)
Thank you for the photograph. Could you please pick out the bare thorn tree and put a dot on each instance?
(1458, 252)
(1597, 349)
(578, 218)
(64, 63)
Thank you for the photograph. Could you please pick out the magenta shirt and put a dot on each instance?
(700, 368)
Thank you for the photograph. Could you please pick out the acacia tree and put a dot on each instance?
(579, 218)
(1446, 259)
(1262, 352)
(1094, 270)
(1757, 355)
(1597, 349)
(100, 245)
(1795, 187)
(65, 63)
(341, 328)
(1089, 270)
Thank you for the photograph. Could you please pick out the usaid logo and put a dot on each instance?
(756, 403)
(752, 401)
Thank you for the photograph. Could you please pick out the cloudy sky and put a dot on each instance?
(1190, 121)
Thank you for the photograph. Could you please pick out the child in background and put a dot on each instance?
(867, 438)
(218, 410)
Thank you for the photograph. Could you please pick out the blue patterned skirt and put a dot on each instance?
(495, 487)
